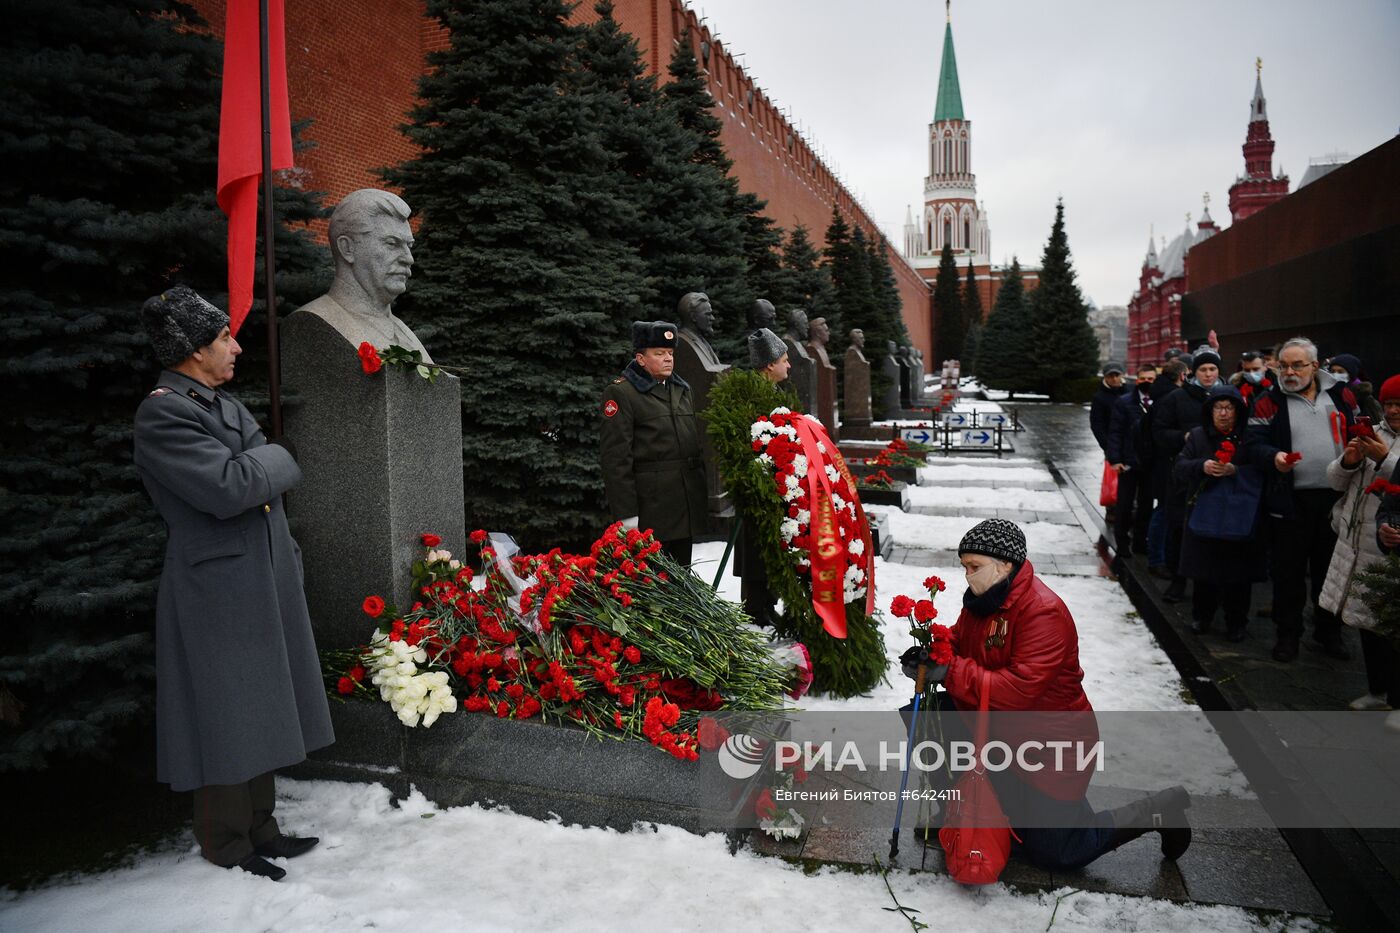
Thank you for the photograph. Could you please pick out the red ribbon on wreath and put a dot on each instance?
(827, 551)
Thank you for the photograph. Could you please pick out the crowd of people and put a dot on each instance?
(1267, 473)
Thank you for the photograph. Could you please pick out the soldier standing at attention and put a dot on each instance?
(650, 444)
(239, 691)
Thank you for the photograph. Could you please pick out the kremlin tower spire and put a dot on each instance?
(951, 213)
(1259, 186)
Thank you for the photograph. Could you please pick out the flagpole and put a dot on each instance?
(274, 360)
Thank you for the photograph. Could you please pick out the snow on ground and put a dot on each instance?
(416, 866)
(989, 462)
(980, 497)
(944, 533)
(937, 472)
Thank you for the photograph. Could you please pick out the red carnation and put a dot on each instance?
(1292, 456)
(925, 611)
(478, 536)
(764, 806)
(357, 673)
(711, 734)
(346, 685)
(369, 358)
(431, 540)
(373, 606)
(934, 583)
(901, 605)
(632, 654)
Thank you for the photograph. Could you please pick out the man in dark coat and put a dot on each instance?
(650, 444)
(1308, 414)
(1134, 494)
(239, 691)
(1171, 423)
(1101, 406)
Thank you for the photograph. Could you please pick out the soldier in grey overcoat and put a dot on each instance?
(239, 690)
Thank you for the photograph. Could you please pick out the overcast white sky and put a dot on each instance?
(1130, 110)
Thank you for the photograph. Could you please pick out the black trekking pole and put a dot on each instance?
(728, 548)
(908, 752)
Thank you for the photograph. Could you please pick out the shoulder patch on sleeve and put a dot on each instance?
(618, 381)
(158, 391)
(610, 407)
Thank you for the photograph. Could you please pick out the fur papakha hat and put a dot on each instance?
(765, 348)
(179, 322)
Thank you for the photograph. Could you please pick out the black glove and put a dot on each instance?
(909, 663)
(286, 444)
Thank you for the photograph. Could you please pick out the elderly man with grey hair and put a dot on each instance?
(1300, 426)
(372, 245)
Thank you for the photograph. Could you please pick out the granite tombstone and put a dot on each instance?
(855, 383)
(893, 373)
(906, 376)
(698, 364)
(381, 452)
(803, 375)
(818, 335)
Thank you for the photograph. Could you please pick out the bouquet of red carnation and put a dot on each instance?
(920, 613)
(1226, 451)
(1292, 456)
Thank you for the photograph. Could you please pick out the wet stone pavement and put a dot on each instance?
(1251, 868)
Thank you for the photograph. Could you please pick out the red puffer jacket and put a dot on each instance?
(1035, 668)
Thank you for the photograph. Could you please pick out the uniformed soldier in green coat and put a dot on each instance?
(650, 444)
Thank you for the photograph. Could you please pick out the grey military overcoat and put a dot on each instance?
(239, 690)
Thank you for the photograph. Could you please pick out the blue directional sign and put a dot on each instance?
(991, 419)
(917, 435)
(956, 419)
(977, 437)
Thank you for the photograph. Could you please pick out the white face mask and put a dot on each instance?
(1255, 376)
(988, 576)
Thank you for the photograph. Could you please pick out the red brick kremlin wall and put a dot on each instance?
(352, 68)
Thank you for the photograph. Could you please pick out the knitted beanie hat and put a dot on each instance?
(1202, 357)
(995, 537)
(1390, 389)
(765, 348)
(179, 322)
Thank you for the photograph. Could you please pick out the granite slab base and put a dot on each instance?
(897, 495)
(904, 474)
(867, 432)
(534, 768)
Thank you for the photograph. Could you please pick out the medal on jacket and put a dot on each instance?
(996, 633)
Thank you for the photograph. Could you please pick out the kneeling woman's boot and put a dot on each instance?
(1163, 812)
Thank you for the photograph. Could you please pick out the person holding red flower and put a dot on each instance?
(1363, 475)
(1016, 631)
(1222, 571)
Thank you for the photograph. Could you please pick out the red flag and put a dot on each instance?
(240, 137)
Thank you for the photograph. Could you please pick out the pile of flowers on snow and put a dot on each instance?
(777, 445)
(901, 453)
(621, 641)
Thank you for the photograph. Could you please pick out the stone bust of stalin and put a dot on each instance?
(372, 245)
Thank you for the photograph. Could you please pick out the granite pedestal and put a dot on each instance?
(381, 457)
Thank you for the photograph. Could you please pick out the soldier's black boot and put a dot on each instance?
(1163, 812)
(286, 846)
(255, 864)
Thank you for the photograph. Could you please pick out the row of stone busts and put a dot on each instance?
(812, 375)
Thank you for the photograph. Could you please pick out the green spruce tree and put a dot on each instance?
(805, 282)
(524, 264)
(950, 329)
(972, 321)
(109, 158)
(1005, 351)
(1064, 340)
(725, 226)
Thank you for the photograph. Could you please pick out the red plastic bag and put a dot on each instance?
(1108, 489)
(976, 836)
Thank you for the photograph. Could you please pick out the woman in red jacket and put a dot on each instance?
(1016, 631)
